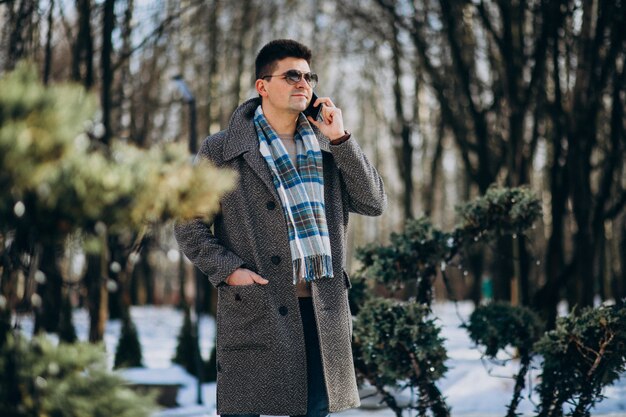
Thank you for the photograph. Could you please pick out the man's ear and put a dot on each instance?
(260, 87)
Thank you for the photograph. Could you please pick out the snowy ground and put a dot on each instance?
(471, 387)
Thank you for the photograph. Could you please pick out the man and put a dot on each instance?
(277, 249)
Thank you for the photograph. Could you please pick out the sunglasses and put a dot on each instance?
(294, 76)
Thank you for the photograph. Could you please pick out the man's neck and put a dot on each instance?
(283, 123)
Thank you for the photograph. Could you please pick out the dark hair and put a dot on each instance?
(276, 50)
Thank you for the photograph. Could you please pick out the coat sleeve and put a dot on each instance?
(198, 242)
(205, 251)
(364, 187)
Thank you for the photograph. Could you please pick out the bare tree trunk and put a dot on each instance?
(584, 242)
(213, 56)
(611, 169)
(402, 128)
(548, 296)
(142, 288)
(49, 288)
(106, 68)
(244, 26)
(7, 290)
(48, 56)
(601, 40)
(209, 298)
(83, 51)
(502, 267)
(122, 105)
(21, 22)
(483, 175)
(97, 293)
(429, 193)
(116, 273)
(619, 282)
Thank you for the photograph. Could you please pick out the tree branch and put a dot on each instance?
(599, 79)
(368, 22)
(486, 20)
(613, 211)
(463, 71)
(155, 34)
(541, 47)
(447, 111)
(481, 130)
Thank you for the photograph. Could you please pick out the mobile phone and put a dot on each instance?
(311, 110)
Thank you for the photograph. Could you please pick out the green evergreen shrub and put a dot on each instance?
(501, 211)
(188, 348)
(397, 345)
(128, 351)
(421, 251)
(411, 255)
(417, 256)
(582, 355)
(498, 325)
(56, 178)
(40, 378)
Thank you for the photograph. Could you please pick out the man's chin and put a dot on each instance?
(298, 109)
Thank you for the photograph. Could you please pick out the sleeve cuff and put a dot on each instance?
(347, 135)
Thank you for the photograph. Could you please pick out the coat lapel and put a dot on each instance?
(257, 163)
(242, 140)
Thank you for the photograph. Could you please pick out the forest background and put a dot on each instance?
(446, 97)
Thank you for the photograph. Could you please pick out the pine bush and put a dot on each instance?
(499, 325)
(582, 355)
(128, 352)
(56, 178)
(40, 378)
(188, 348)
(398, 345)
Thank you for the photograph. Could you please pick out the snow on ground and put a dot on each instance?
(472, 387)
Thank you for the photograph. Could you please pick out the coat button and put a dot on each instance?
(270, 205)
(275, 259)
(283, 311)
(219, 367)
(237, 297)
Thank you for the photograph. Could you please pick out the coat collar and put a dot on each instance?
(241, 139)
(241, 135)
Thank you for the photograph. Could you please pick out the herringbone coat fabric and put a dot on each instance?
(261, 359)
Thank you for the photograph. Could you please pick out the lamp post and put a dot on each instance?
(190, 100)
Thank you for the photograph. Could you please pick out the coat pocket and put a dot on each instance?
(243, 321)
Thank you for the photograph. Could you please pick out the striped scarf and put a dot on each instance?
(301, 192)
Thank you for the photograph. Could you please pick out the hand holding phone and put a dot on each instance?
(329, 121)
(311, 110)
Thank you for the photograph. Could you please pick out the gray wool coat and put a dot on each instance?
(261, 360)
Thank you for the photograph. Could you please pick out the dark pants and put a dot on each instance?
(317, 399)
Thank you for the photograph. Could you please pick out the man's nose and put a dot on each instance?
(302, 83)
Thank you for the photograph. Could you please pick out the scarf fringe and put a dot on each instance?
(315, 266)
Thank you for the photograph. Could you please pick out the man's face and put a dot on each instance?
(279, 95)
